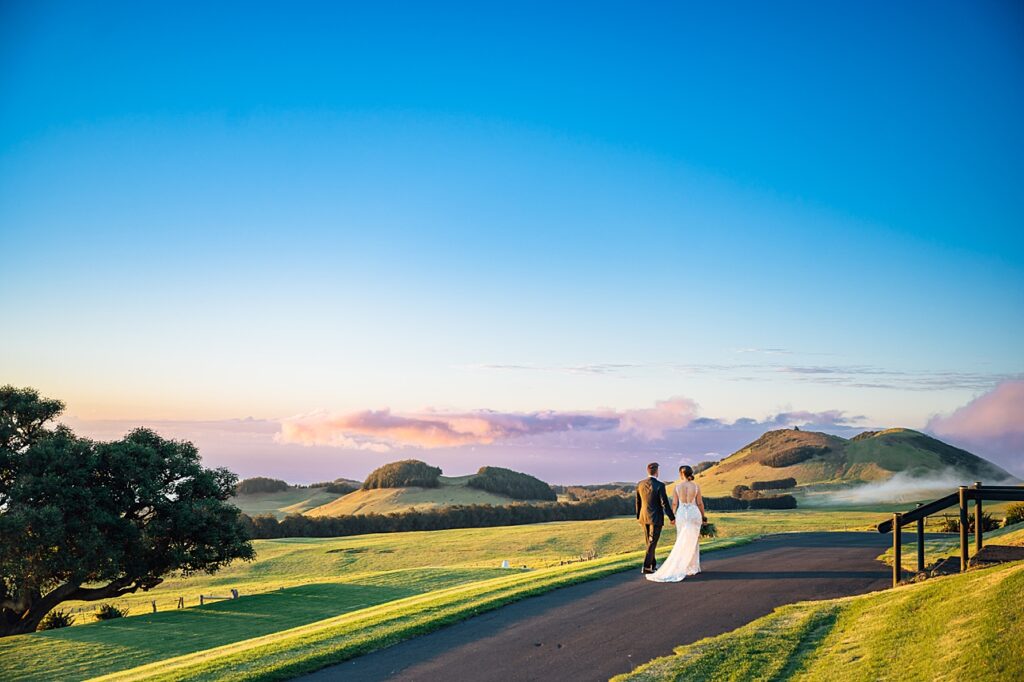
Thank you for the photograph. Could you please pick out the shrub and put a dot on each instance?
(512, 483)
(795, 456)
(260, 484)
(724, 504)
(1014, 514)
(110, 612)
(774, 502)
(58, 618)
(750, 494)
(777, 484)
(738, 491)
(951, 524)
(703, 466)
(409, 472)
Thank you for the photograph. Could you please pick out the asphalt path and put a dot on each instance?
(601, 628)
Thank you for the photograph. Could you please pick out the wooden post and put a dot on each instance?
(200, 600)
(978, 526)
(897, 550)
(154, 605)
(963, 529)
(920, 545)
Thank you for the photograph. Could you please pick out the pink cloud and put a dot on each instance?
(383, 429)
(991, 425)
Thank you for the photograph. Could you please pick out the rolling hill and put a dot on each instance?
(450, 490)
(820, 461)
(294, 500)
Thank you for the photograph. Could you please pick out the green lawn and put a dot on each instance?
(298, 582)
(968, 626)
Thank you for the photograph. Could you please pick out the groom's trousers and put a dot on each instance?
(651, 534)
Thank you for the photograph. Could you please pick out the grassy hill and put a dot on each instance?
(294, 500)
(450, 490)
(967, 626)
(820, 461)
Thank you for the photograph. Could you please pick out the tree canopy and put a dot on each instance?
(87, 520)
(408, 472)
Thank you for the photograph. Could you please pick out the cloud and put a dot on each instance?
(991, 425)
(382, 430)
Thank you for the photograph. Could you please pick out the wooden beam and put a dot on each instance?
(897, 550)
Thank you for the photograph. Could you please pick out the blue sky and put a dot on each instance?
(209, 213)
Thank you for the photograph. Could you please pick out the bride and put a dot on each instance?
(684, 559)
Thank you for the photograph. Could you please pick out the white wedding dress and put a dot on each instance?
(684, 559)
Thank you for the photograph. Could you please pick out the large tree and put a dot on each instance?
(86, 520)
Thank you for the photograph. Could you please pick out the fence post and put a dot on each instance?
(897, 550)
(920, 545)
(200, 600)
(963, 529)
(978, 526)
(154, 605)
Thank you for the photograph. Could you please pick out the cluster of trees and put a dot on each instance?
(408, 472)
(775, 484)
(787, 458)
(512, 484)
(745, 498)
(87, 520)
(457, 516)
(703, 466)
(260, 484)
(342, 486)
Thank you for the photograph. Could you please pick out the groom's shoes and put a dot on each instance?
(646, 570)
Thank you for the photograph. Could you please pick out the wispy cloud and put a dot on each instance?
(852, 376)
(991, 424)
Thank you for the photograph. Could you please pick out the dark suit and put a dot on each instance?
(652, 506)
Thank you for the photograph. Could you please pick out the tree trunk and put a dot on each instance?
(26, 619)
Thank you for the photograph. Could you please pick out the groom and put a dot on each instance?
(652, 506)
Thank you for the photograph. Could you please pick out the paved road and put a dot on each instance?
(602, 628)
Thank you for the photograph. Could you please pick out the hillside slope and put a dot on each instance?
(452, 490)
(822, 460)
(294, 500)
(967, 626)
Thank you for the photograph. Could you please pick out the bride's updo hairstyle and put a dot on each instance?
(687, 471)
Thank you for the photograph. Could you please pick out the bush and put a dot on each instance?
(738, 490)
(703, 466)
(260, 484)
(795, 456)
(409, 472)
(774, 502)
(777, 484)
(110, 612)
(512, 483)
(58, 618)
(1014, 514)
(952, 524)
(724, 504)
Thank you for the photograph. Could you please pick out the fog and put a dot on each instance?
(904, 487)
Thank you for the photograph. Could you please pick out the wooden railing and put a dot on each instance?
(962, 497)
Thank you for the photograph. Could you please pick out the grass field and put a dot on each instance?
(968, 626)
(297, 582)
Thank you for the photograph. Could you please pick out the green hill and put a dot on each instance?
(821, 461)
(966, 626)
(449, 491)
(293, 500)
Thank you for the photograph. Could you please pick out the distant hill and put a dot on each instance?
(291, 500)
(823, 461)
(449, 491)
